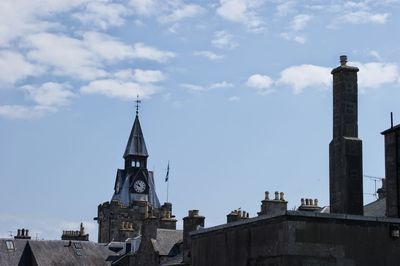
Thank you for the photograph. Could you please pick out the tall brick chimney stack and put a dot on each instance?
(345, 149)
(392, 170)
(190, 223)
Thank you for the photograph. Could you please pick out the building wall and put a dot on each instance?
(297, 239)
(117, 222)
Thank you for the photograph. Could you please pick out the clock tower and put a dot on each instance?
(134, 198)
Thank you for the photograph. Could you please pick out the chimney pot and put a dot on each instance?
(266, 195)
(281, 195)
(276, 195)
(343, 60)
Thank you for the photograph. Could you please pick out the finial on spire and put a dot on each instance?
(137, 104)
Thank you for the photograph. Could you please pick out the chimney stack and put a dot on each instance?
(345, 149)
(191, 223)
(277, 206)
(309, 205)
(392, 170)
(22, 234)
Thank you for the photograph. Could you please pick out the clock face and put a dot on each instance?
(139, 186)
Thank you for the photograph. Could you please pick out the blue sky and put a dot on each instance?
(235, 93)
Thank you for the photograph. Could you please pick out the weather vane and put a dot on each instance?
(137, 104)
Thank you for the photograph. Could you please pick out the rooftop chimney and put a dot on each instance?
(343, 60)
(277, 206)
(345, 149)
(22, 234)
(237, 215)
(309, 205)
(192, 222)
(392, 170)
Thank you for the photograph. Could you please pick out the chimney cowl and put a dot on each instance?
(343, 60)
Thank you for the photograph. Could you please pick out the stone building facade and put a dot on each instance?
(134, 198)
(346, 233)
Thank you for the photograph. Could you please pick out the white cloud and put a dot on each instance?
(50, 94)
(148, 76)
(166, 11)
(67, 56)
(192, 87)
(285, 8)
(291, 36)
(233, 99)
(114, 88)
(375, 54)
(142, 51)
(213, 86)
(145, 7)
(47, 97)
(24, 17)
(371, 76)
(299, 22)
(107, 47)
(242, 11)
(362, 17)
(209, 55)
(14, 67)
(23, 112)
(85, 58)
(223, 39)
(182, 12)
(262, 83)
(219, 85)
(376, 74)
(306, 76)
(102, 14)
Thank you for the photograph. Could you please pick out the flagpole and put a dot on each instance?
(167, 180)
(167, 189)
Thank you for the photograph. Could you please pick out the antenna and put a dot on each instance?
(375, 179)
(391, 119)
(10, 233)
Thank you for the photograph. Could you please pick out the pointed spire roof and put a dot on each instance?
(136, 145)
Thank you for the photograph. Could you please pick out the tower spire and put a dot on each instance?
(136, 150)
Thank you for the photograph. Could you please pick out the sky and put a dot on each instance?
(236, 94)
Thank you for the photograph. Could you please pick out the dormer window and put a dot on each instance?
(10, 245)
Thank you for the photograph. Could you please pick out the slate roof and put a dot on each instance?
(376, 208)
(55, 253)
(11, 257)
(136, 145)
(166, 239)
(60, 253)
(170, 261)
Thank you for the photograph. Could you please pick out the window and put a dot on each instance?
(78, 248)
(10, 245)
